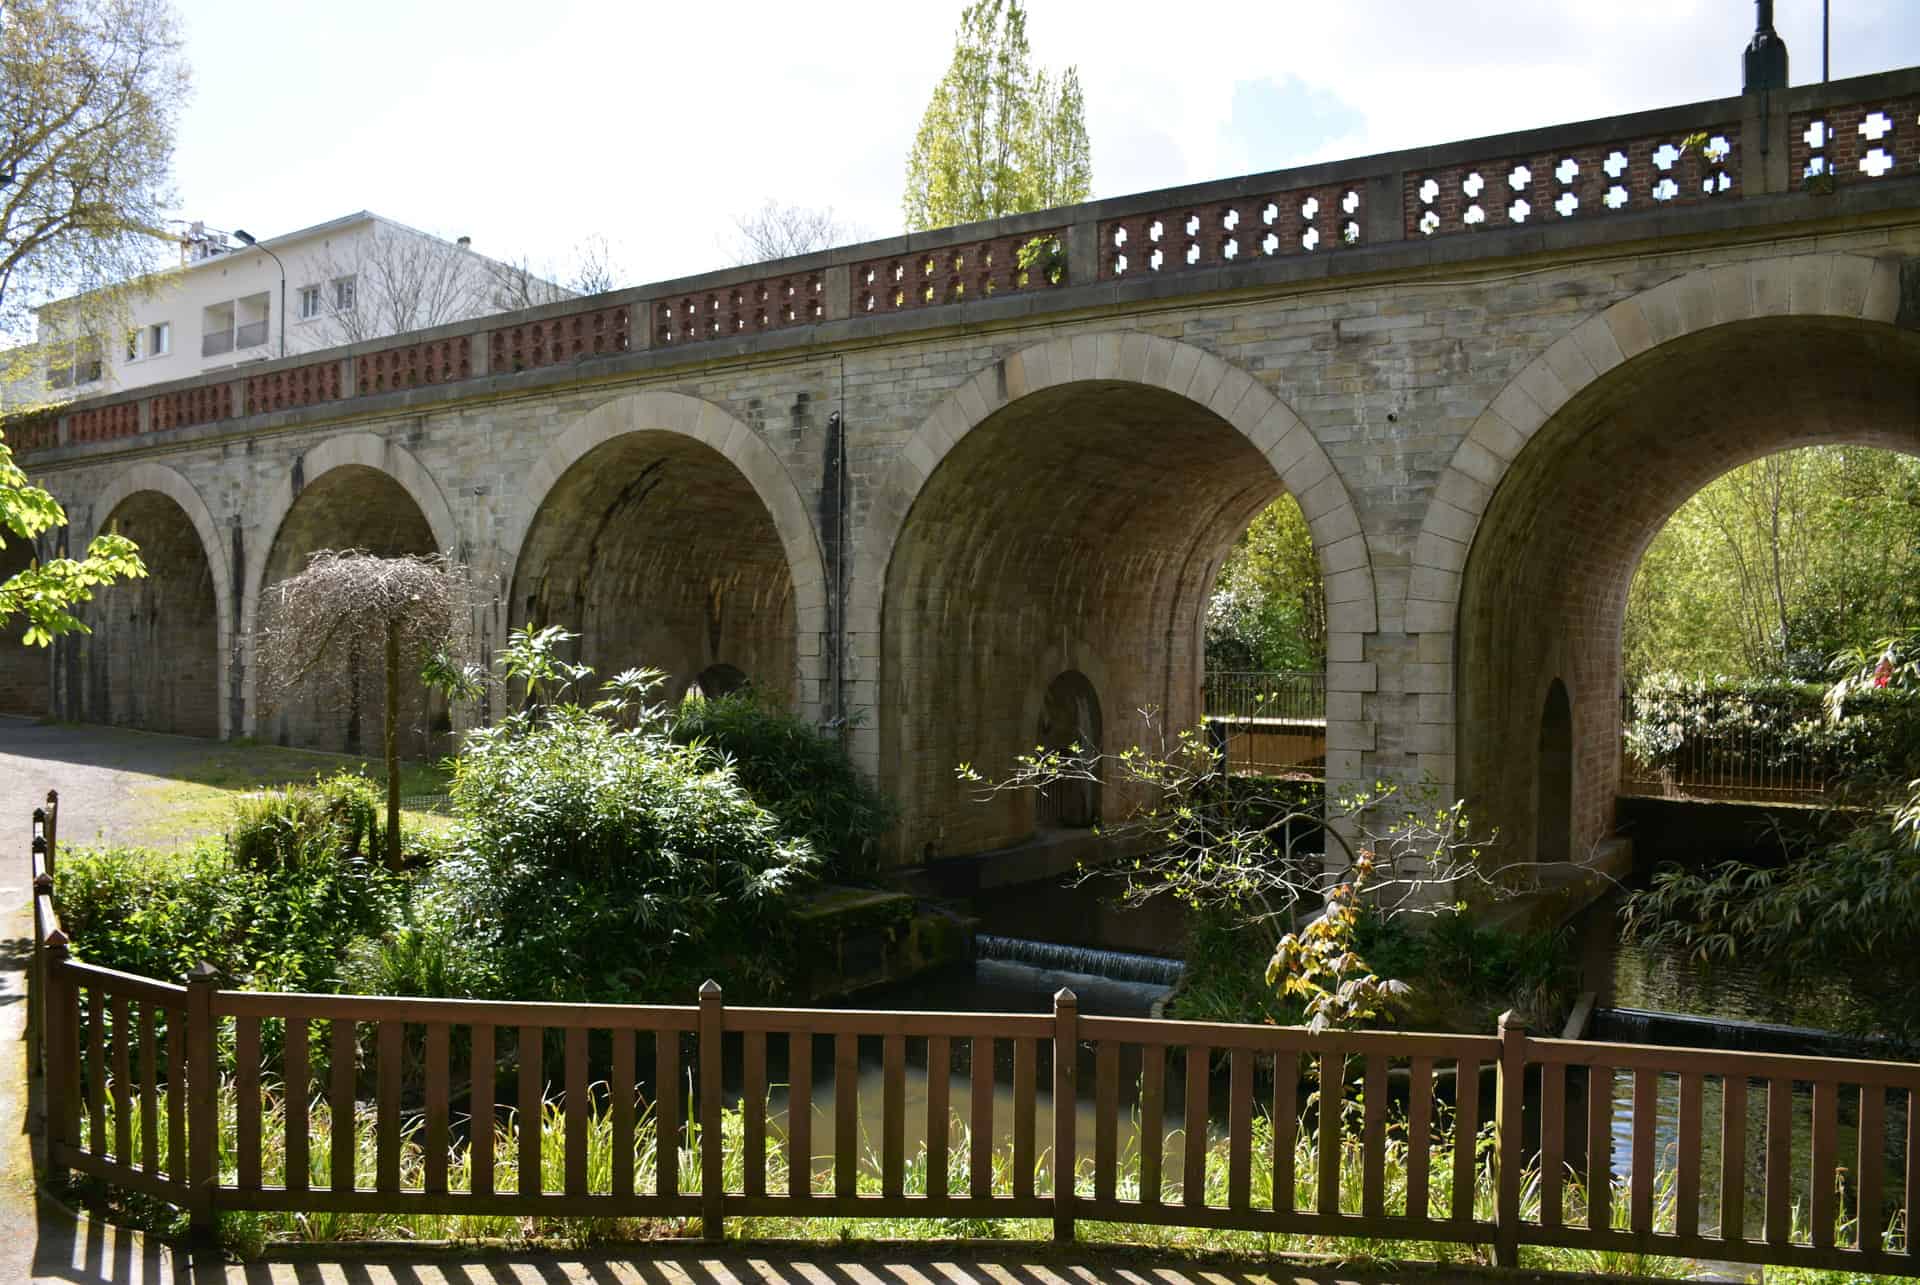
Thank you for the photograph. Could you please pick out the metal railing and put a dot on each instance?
(136, 1097)
(1268, 721)
(1734, 760)
(219, 341)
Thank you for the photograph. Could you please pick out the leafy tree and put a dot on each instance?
(45, 592)
(89, 94)
(1269, 605)
(998, 137)
(314, 625)
(1774, 566)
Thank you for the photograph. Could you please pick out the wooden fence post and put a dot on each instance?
(712, 1155)
(53, 823)
(40, 882)
(1066, 1117)
(203, 1130)
(59, 1011)
(1509, 1140)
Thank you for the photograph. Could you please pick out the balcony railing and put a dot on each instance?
(216, 343)
(251, 335)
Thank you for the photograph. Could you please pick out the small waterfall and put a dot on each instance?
(1113, 965)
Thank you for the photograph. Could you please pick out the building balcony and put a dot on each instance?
(212, 345)
(251, 334)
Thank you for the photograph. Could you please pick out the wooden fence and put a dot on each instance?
(136, 1096)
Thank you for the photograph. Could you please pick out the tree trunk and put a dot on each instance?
(393, 744)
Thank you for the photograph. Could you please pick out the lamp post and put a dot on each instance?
(247, 238)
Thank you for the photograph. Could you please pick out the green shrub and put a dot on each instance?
(337, 818)
(1781, 722)
(594, 861)
(793, 771)
(281, 927)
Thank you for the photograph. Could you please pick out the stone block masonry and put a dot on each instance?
(1484, 420)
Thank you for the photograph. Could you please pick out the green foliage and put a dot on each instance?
(272, 927)
(1856, 898)
(1222, 980)
(1321, 964)
(1776, 565)
(44, 593)
(793, 771)
(1876, 738)
(598, 858)
(998, 137)
(1268, 609)
(335, 819)
(1469, 974)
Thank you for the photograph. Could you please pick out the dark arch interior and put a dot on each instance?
(1545, 587)
(658, 552)
(354, 507)
(153, 659)
(1070, 723)
(1553, 798)
(1079, 528)
(720, 679)
(26, 674)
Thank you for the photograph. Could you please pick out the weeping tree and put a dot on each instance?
(315, 627)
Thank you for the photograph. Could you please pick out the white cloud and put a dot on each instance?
(532, 128)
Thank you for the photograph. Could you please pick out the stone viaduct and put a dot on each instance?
(909, 484)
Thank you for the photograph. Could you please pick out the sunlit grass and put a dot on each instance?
(248, 1232)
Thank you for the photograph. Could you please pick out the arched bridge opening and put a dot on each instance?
(657, 550)
(353, 506)
(153, 658)
(1076, 530)
(25, 672)
(1544, 593)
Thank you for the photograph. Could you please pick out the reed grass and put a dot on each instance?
(246, 1232)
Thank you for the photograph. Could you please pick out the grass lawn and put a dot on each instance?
(195, 797)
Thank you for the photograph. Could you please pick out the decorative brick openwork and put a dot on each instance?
(191, 406)
(1215, 234)
(104, 423)
(1582, 182)
(33, 432)
(748, 309)
(286, 389)
(441, 361)
(548, 343)
(976, 270)
(1854, 143)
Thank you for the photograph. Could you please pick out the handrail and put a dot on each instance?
(135, 1097)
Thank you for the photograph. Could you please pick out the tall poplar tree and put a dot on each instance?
(998, 137)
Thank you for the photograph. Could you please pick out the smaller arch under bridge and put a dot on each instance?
(907, 486)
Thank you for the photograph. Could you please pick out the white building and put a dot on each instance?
(227, 303)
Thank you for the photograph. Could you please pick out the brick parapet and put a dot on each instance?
(791, 301)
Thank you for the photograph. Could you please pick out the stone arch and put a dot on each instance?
(26, 673)
(706, 436)
(1585, 454)
(1266, 430)
(1809, 285)
(385, 472)
(152, 479)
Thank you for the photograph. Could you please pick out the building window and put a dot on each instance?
(133, 345)
(160, 339)
(309, 302)
(343, 294)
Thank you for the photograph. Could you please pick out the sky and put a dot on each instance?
(534, 128)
